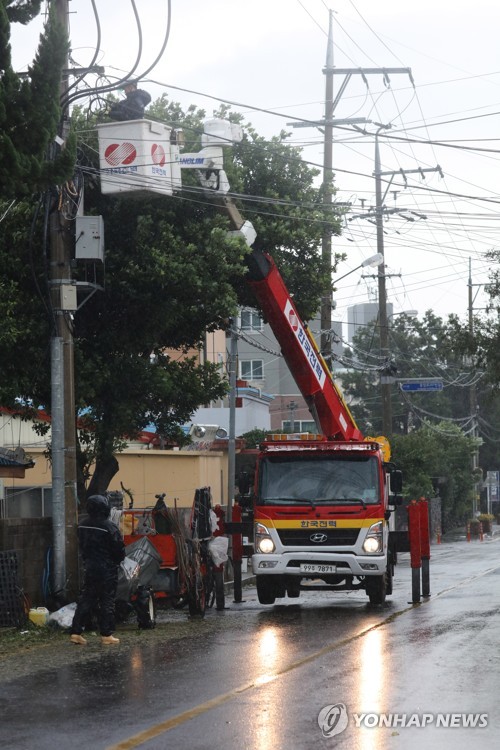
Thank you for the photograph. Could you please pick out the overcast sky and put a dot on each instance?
(270, 54)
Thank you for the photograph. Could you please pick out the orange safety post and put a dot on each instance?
(438, 535)
(415, 549)
(425, 545)
(480, 531)
(468, 531)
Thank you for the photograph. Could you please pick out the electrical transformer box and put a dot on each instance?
(89, 238)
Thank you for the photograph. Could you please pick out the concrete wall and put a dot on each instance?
(178, 473)
(150, 472)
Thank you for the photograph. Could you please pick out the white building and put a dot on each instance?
(362, 315)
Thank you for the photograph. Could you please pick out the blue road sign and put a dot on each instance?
(421, 384)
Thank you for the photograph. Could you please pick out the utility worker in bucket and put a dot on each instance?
(132, 107)
(102, 549)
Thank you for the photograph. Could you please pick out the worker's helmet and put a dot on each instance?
(128, 84)
(98, 505)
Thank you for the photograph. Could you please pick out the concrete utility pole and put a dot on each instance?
(292, 406)
(329, 123)
(382, 295)
(473, 397)
(63, 298)
(326, 242)
(231, 448)
(386, 380)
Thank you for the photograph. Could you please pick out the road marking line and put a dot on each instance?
(165, 726)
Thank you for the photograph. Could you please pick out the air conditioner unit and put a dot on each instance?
(206, 432)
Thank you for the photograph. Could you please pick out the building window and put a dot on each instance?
(299, 425)
(252, 369)
(251, 321)
(34, 502)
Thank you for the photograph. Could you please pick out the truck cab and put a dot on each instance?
(321, 518)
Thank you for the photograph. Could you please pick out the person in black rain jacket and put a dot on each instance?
(132, 107)
(102, 549)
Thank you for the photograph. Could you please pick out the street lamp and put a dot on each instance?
(372, 261)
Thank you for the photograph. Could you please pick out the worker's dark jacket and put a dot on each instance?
(101, 545)
(102, 549)
(132, 107)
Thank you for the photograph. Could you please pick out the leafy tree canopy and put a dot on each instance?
(29, 107)
(437, 460)
(426, 424)
(171, 273)
(418, 349)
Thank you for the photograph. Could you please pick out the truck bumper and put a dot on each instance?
(345, 564)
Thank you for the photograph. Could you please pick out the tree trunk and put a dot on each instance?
(105, 470)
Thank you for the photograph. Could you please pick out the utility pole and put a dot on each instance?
(326, 241)
(292, 407)
(386, 380)
(231, 448)
(382, 295)
(329, 123)
(473, 397)
(63, 299)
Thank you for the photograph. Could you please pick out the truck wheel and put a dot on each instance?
(152, 609)
(145, 607)
(197, 598)
(266, 590)
(389, 576)
(220, 596)
(376, 588)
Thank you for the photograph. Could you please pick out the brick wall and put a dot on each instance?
(30, 538)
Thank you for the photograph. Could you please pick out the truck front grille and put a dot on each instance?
(333, 537)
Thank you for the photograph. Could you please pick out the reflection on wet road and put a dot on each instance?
(261, 676)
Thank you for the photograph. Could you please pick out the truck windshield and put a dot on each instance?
(321, 480)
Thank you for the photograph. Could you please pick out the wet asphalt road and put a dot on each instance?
(261, 677)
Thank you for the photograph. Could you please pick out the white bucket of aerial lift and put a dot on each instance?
(246, 231)
(136, 155)
(218, 132)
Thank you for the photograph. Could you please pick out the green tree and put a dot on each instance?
(275, 190)
(29, 107)
(478, 342)
(437, 459)
(172, 272)
(419, 349)
(423, 421)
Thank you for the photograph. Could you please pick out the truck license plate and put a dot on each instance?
(317, 568)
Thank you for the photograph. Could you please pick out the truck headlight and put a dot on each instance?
(373, 543)
(263, 542)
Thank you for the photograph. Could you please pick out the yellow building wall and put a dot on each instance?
(149, 473)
